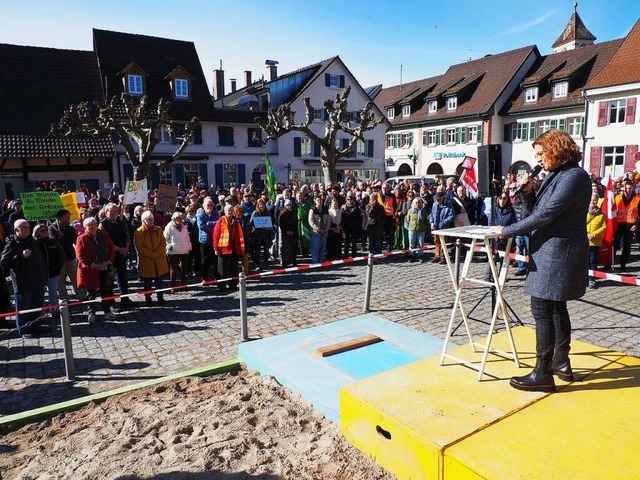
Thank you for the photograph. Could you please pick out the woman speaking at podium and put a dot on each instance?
(557, 257)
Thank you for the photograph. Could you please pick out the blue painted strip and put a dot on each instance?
(367, 361)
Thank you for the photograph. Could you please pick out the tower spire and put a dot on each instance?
(574, 35)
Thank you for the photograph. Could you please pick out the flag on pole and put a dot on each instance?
(468, 177)
(270, 179)
(608, 207)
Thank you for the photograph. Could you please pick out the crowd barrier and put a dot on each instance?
(242, 278)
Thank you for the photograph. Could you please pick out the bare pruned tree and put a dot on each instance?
(130, 122)
(281, 121)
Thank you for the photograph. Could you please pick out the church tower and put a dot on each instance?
(574, 35)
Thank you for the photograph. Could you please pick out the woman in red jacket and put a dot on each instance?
(95, 253)
(228, 243)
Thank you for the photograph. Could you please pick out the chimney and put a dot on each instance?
(218, 81)
(247, 77)
(272, 67)
(233, 85)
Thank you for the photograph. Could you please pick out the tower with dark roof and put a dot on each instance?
(575, 34)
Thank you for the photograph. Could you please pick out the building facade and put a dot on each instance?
(294, 156)
(613, 120)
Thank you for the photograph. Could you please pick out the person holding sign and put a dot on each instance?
(29, 274)
(261, 226)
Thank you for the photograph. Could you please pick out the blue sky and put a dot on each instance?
(373, 38)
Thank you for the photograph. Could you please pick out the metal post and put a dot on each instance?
(367, 284)
(65, 325)
(458, 248)
(244, 333)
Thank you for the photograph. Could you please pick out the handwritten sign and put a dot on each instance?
(262, 223)
(166, 198)
(40, 205)
(70, 202)
(136, 192)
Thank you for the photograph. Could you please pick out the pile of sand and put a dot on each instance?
(230, 426)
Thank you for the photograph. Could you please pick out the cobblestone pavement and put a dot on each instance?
(202, 326)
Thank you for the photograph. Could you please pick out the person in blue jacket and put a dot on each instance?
(206, 219)
(441, 217)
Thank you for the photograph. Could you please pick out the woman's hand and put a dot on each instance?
(500, 231)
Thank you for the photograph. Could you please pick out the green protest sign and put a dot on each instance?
(40, 205)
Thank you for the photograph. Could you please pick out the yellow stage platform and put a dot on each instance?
(588, 430)
(406, 418)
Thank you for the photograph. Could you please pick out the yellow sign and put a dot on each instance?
(70, 202)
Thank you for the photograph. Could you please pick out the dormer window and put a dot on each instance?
(452, 103)
(406, 110)
(181, 88)
(560, 89)
(531, 94)
(391, 113)
(134, 84)
(433, 106)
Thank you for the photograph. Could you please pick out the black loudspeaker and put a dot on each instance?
(489, 167)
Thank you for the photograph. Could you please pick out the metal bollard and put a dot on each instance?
(244, 333)
(65, 325)
(367, 285)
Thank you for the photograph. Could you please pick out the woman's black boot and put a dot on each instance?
(563, 371)
(539, 380)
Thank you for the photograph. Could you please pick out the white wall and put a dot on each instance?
(318, 93)
(448, 156)
(614, 134)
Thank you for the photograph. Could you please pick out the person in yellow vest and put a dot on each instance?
(596, 227)
(627, 204)
(152, 260)
(228, 243)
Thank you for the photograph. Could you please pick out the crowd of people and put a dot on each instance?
(213, 233)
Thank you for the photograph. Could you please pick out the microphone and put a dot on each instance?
(534, 173)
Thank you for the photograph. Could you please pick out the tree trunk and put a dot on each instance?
(329, 171)
(140, 172)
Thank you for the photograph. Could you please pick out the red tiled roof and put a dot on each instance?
(578, 65)
(393, 95)
(492, 72)
(624, 65)
(575, 30)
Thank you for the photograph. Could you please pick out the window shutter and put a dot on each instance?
(155, 176)
(630, 152)
(630, 117)
(602, 113)
(507, 132)
(595, 161)
(481, 134)
(297, 146)
(457, 137)
(562, 125)
(179, 169)
(197, 135)
(127, 171)
(325, 114)
(341, 81)
(344, 143)
(532, 131)
(219, 180)
(370, 148)
(438, 137)
(174, 139)
(316, 149)
(242, 174)
(463, 133)
(327, 80)
(204, 174)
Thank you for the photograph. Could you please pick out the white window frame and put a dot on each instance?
(619, 105)
(545, 126)
(575, 126)
(472, 134)
(391, 113)
(531, 94)
(334, 80)
(306, 147)
(433, 106)
(165, 136)
(406, 139)
(181, 87)
(432, 136)
(166, 175)
(560, 89)
(361, 148)
(229, 170)
(451, 136)
(615, 156)
(452, 103)
(406, 110)
(135, 80)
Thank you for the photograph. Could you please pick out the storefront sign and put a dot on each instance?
(442, 155)
(40, 205)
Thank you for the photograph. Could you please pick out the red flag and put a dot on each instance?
(605, 254)
(468, 178)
